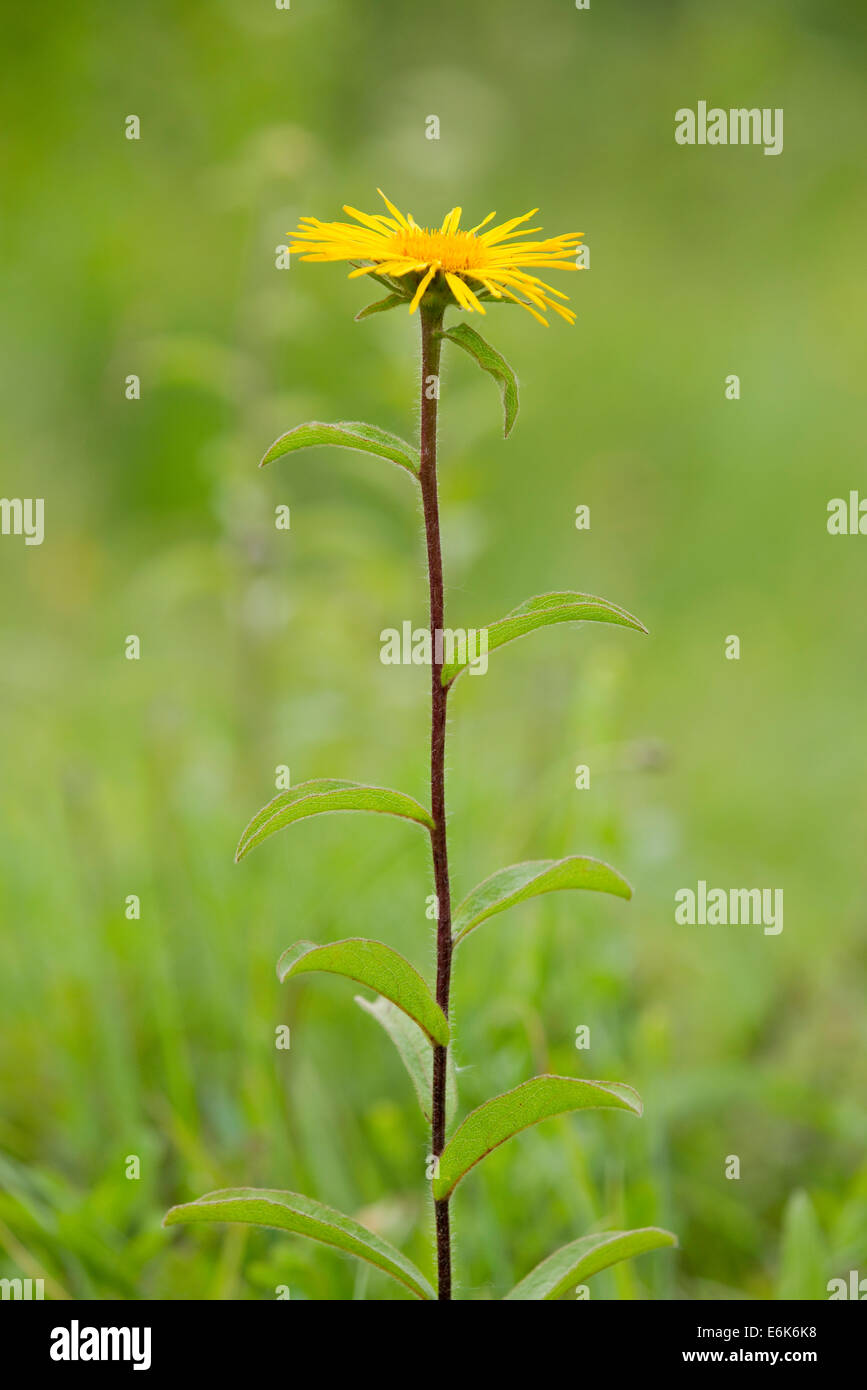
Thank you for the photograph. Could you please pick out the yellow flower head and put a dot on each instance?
(496, 260)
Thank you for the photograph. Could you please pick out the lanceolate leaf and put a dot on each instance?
(490, 361)
(499, 1119)
(347, 434)
(380, 968)
(290, 1211)
(414, 1052)
(391, 301)
(573, 1263)
(324, 794)
(543, 611)
(521, 881)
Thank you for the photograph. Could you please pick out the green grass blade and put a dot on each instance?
(290, 1211)
(803, 1256)
(492, 362)
(346, 434)
(322, 795)
(376, 965)
(528, 1104)
(544, 610)
(521, 881)
(573, 1263)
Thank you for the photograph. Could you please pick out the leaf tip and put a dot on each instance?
(634, 1101)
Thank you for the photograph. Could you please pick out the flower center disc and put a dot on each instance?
(453, 250)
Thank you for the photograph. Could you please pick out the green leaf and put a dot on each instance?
(391, 301)
(572, 1264)
(414, 1052)
(490, 361)
(290, 1211)
(346, 434)
(321, 795)
(390, 282)
(373, 964)
(535, 1100)
(528, 880)
(543, 611)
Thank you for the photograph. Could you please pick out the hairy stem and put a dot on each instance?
(431, 344)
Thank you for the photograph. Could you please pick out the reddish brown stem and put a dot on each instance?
(431, 343)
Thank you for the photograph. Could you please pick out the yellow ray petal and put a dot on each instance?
(473, 301)
(361, 270)
(422, 286)
(463, 294)
(484, 222)
(374, 221)
(497, 233)
(450, 222)
(528, 307)
(394, 211)
(488, 284)
(521, 283)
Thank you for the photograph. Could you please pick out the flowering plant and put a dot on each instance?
(432, 272)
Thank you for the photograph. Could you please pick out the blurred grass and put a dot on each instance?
(155, 1037)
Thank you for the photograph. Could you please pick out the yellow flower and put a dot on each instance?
(496, 260)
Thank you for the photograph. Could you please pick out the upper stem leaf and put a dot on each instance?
(291, 1211)
(390, 282)
(490, 361)
(543, 610)
(573, 1263)
(415, 1054)
(379, 967)
(391, 301)
(347, 434)
(324, 794)
(534, 1100)
(520, 881)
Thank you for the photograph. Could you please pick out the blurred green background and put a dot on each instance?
(260, 647)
